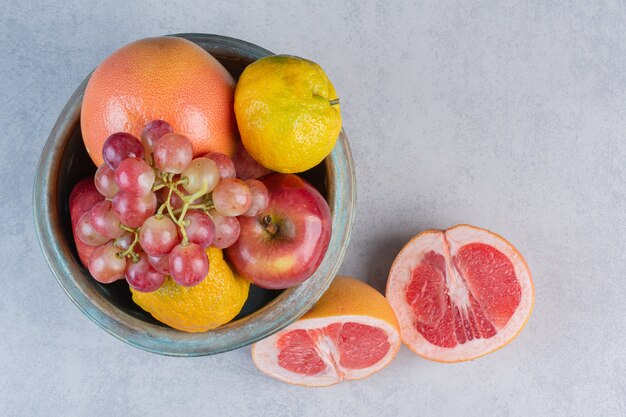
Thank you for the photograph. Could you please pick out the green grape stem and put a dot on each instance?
(178, 215)
(130, 252)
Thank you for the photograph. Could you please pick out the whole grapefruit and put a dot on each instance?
(165, 78)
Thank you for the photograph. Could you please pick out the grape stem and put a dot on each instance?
(187, 200)
(200, 206)
(178, 215)
(130, 252)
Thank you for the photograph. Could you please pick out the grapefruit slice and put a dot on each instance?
(459, 293)
(350, 333)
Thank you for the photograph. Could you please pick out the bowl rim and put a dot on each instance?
(287, 307)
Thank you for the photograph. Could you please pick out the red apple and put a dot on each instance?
(83, 197)
(285, 243)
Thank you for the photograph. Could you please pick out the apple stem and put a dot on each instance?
(270, 227)
(334, 102)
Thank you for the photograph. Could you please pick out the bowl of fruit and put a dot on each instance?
(196, 193)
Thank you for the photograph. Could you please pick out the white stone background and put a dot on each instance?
(510, 115)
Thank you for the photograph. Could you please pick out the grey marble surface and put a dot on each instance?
(507, 115)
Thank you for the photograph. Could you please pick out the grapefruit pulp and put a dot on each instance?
(459, 293)
(350, 333)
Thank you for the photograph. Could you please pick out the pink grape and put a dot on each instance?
(86, 232)
(120, 146)
(224, 163)
(105, 181)
(203, 172)
(151, 133)
(246, 167)
(135, 176)
(260, 197)
(160, 263)
(227, 230)
(104, 221)
(161, 195)
(133, 211)
(123, 242)
(158, 235)
(189, 264)
(232, 197)
(201, 229)
(142, 276)
(105, 265)
(172, 153)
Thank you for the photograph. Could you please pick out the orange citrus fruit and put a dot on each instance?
(287, 112)
(209, 304)
(350, 333)
(165, 78)
(459, 293)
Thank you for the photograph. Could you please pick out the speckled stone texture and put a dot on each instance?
(507, 115)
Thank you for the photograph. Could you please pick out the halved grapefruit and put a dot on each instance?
(350, 333)
(459, 293)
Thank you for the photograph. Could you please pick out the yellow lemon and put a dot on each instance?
(211, 303)
(287, 112)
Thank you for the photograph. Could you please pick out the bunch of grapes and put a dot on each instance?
(163, 209)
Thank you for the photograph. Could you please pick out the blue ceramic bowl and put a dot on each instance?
(64, 162)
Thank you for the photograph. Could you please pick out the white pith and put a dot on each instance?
(457, 290)
(411, 256)
(265, 353)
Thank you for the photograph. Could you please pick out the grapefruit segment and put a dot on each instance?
(459, 293)
(349, 334)
(298, 353)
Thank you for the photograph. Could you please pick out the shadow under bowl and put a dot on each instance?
(64, 162)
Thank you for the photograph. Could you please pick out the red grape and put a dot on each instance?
(224, 163)
(104, 221)
(158, 235)
(142, 276)
(232, 197)
(246, 166)
(151, 133)
(135, 176)
(172, 153)
(203, 172)
(120, 146)
(123, 242)
(160, 263)
(201, 229)
(133, 211)
(105, 181)
(227, 230)
(86, 232)
(260, 197)
(189, 264)
(105, 265)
